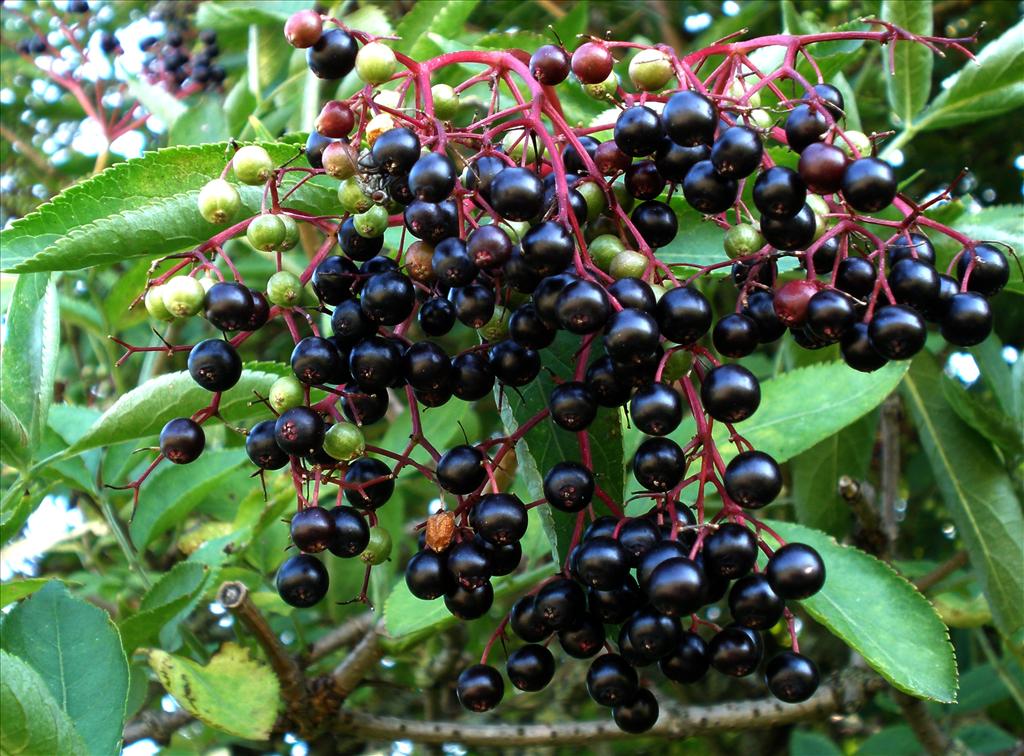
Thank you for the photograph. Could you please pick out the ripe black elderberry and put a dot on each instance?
(639, 715)
(659, 464)
(436, 316)
(526, 622)
(677, 587)
(735, 335)
(302, 581)
(638, 131)
(499, 518)
(753, 479)
(480, 688)
(611, 680)
(656, 222)
(560, 603)
(513, 364)
(730, 393)
(568, 486)
(869, 184)
(737, 153)
(967, 320)
(707, 191)
(754, 604)
(684, 315)
(333, 279)
(228, 306)
(469, 603)
(779, 192)
(830, 313)
(735, 651)
(796, 571)
(315, 360)
(371, 483)
(584, 639)
(897, 332)
(630, 333)
(472, 377)
(396, 150)
(461, 470)
(333, 55)
(312, 529)
(182, 440)
(516, 193)
(791, 677)
(794, 232)
(656, 409)
(548, 247)
(432, 178)
(856, 276)
(468, 564)
(914, 283)
(688, 662)
(730, 551)
(527, 328)
(582, 307)
(601, 563)
(530, 667)
(262, 449)
(572, 406)
(690, 118)
(989, 270)
(215, 365)
(387, 298)
(427, 575)
(375, 363)
(351, 533)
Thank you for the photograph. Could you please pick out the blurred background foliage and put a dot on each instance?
(75, 532)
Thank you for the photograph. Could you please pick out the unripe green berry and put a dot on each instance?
(344, 441)
(859, 139)
(593, 195)
(659, 291)
(496, 328)
(284, 289)
(446, 101)
(677, 365)
(741, 240)
(371, 223)
(266, 232)
(252, 165)
(650, 70)
(628, 264)
(378, 550)
(760, 119)
(352, 198)
(605, 90)
(736, 91)
(622, 195)
(603, 250)
(183, 296)
(515, 142)
(820, 209)
(207, 282)
(286, 392)
(340, 159)
(218, 201)
(376, 63)
(155, 304)
(291, 233)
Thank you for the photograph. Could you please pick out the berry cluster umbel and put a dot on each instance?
(523, 227)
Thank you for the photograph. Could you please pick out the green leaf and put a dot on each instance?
(31, 721)
(891, 740)
(223, 15)
(173, 491)
(239, 104)
(817, 471)
(802, 407)
(157, 101)
(982, 737)
(407, 618)
(573, 23)
(15, 590)
(546, 444)
(163, 602)
(984, 88)
(29, 357)
(204, 122)
(234, 693)
(144, 410)
(910, 85)
(75, 648)
(881, 616)
(14, 443)
(446, 19)
(998, 223)
(809, 743)
(978, 494)
(989, 421)
(144, 207)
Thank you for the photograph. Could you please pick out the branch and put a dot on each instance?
(843, 693)
(157, 726)
(951, 565)
(234, 596)
(346, 676)
(860, 497)
(346, 634)
(926, 729)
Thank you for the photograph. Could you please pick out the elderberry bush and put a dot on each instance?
(529, 229)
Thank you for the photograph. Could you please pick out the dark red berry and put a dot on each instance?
(592, 62)
(550, 64)
(822, 167)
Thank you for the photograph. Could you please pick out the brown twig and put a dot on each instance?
(927, 731)
(889, 430)
(346, 634)
(156, 725)
(951, 565)
(860, 497)
(346, 676)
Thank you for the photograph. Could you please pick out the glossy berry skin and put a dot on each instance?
(427, 575)
(795, 232)
(526, 622)
(214, 364)
(630, 332)
(690, 119)
(674, 161)
(761, 309)
(592, 63)
(572, 406)
(182, 440)
(821, 167)
(262, 449)
(499, 518)
(611, 681)
(753, 479)
(915, 246)
(387, 298)
(527, 328)
(914, 283)
(469, 603)
(461, 470)
(856, 276)
(432, 178)
(396, 151)
(684, 315)
(968, 319)
(637, 537)
(530, 667)
(615, 606)
(735, 335)
(468, 564)
(513, 364)
(516, 194)
(350, 534)
(857, 351)
(472, 377)
(737, 152)
(302, 581)
(897, 332)
(452, 264)
(436, 316)
(582, 307)
(363, 471)
(633, 293)
(568, 486)
(333, 279)
(707, 191)
(312, 529)
(795, 571)
(804, 127)
(560, 603)
(228, 306)
(688, 662)
(639, 715)
(869, 184)
(425, 365)
(754, 604)
(299, 431)
(779, 192)
(830, 313)
(548, 247)
(676, 587)
(333, 55)
(480, 688)
(730, 551)
(734, 651)
(606, 383)
(638, 131)
(990, 271)
(659, 464)
(304, 28)
(315, 360)
(791, 677)
(601, 563)
(375, 363)
(730, 393)
(829, 97)
(656, 222)
(644, 181)
(489, 247)
(656, 409)
(550, 65)
(650, 634)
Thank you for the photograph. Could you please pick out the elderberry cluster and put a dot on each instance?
(532, 234)
(169, 60)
